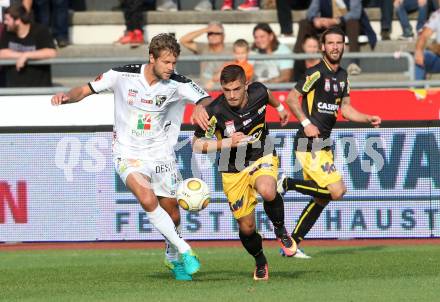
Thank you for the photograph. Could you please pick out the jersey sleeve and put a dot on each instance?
(308, 81)
(104, 82)
(191, 92)
(262, 91)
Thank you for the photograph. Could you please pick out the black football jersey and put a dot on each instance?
(225, 120)
(322, 90)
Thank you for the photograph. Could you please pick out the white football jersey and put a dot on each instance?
(147, 118)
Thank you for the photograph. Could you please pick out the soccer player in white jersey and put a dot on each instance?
(149, 104)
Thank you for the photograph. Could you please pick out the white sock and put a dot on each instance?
(164, 224)
(171, 252)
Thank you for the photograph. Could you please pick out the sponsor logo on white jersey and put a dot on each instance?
(197, 89)
(159, 100)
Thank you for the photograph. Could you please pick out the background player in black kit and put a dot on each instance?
(237, 120)
(324, 90)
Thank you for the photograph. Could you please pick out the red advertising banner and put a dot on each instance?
(389, 104)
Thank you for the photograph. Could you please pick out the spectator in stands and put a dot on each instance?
(216, 46)
(428, 60)
(55, 15)
(25, 41)
(284, 15)
(4, 4)
(241, 50)
(386, 15)
(403, 7)
(271, 71)
(348, 14)
(248, 5)
(310, 46)
(173, 5)
(134, 21)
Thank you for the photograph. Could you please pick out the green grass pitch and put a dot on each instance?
(371, 273)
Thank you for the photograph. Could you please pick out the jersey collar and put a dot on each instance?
(329, 67)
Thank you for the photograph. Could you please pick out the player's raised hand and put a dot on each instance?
(375, 121)
(59, 99)
(311, 130)
(284, 117)
(200, 117)
(239, 138)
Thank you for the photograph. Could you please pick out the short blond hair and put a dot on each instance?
(164, 42)
(241, 43)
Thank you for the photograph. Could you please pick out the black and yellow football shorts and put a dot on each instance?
(319, 167)
(239, 187)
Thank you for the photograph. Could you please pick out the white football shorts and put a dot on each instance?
(164, 176)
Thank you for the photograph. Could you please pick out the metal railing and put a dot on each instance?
(197, 58)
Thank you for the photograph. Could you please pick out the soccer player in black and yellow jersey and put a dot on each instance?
(324, 90)
(248, 162)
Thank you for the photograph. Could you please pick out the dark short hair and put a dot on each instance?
(310, 36)
(266, 27)
(232, 73)
(19, 12)
(162, 42)
(333, 30)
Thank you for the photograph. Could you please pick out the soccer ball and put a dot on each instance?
(193, 194)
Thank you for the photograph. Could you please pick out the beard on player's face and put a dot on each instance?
(333, 56)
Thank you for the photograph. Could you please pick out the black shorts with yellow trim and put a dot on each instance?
(319, 167)
(239, 187)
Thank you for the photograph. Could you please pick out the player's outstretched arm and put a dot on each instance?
(293, 102)
(72, 96)
(282, 112)
(203, 145)
(351, 114)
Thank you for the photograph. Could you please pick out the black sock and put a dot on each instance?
(254, 246)
(275, 211)
(308, 217)
(307, 187)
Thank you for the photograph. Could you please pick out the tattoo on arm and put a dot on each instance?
(295, 105)
(346, 101)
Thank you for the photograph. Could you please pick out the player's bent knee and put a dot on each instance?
(339, 193)
(247, 230)
(149, 202)
(267, 193)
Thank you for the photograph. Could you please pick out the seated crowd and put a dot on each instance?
(25, 35)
